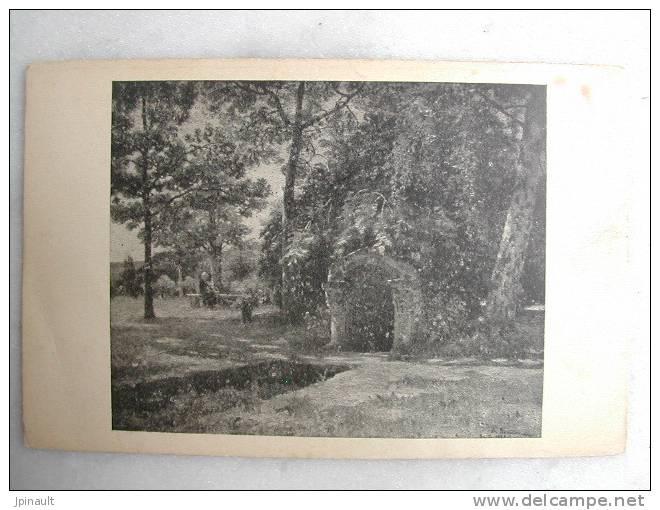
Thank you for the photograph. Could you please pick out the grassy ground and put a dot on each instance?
(198, 370)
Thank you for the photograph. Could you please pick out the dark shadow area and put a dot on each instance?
(262, 380)
(370, 310)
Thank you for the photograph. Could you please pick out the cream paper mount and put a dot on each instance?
(70, 376)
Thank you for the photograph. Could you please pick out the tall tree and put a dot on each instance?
(209, 212)
(180, 250)
(148, 158)
(529, 118)
(129, 278)
(289, 114)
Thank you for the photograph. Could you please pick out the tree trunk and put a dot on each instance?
(216, 266)
(215, 252)
(146, 191)
(505, 292)
(179, 280)
(148, 271)
(290, 304)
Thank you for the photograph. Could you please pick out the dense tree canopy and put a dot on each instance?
(446, 177)
(424, 173)
(183, 191)
(148, 158)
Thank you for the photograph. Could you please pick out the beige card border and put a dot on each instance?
(66, 346)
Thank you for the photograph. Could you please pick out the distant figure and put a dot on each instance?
(248, 302)
(206, 290)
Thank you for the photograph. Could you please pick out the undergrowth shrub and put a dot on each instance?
(502, 339)
(312, 335)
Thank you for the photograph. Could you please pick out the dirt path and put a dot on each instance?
(399, 399)
(209, 373)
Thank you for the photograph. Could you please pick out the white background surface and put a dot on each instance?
(574, 37)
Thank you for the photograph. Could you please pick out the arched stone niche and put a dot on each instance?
(406, 296)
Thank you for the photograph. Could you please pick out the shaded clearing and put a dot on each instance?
(202, 371)
(263, 380)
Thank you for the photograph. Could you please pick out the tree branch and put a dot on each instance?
(501, 109)
(161, 207)
(335, 87)
(341, 103)
(348, 109)
(264, 91)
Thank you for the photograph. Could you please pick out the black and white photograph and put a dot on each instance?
(292, 250)
(328, 259)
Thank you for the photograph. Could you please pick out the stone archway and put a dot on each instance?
(406, 297)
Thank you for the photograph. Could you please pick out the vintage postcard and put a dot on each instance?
(320, 259)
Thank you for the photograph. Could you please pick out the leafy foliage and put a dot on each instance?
(423, 173)
(165, 286)
(184, 191)
(130, 279)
